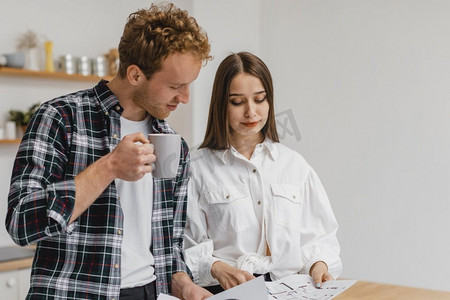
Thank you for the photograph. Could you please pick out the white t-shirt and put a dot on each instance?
(136, 200)
(237, 207)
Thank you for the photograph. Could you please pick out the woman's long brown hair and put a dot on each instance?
(217, 136)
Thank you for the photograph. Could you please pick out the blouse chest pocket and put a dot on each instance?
(288, 200)
(231, 208)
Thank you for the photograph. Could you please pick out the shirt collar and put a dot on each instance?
(161, 126)
(268, 145)
(272, 148)
(222, 154)
(109, 101)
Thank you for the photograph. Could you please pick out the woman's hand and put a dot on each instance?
(319, 273)
(229, 276)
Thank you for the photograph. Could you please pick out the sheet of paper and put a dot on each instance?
(300, 286)
(166, 297)
(250, 290)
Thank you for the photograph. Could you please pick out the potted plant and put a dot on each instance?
(29, 42)
(22, 118)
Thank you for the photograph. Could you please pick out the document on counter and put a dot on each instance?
(291, 287)
(250, 290)
(301, 286)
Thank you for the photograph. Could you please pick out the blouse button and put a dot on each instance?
(115, 136)
(254, 170)
(106, 113)
(228, 197)
(259, 202)
(119, 232)
(293, 196)
(116, 266)
(117, 107)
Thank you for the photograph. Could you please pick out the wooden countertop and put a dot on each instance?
(15, 257)
(376, 291)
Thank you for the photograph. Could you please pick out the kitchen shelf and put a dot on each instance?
(16, 72)
(13, 141)
(4, 71)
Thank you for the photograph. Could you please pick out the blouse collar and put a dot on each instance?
(268, 145)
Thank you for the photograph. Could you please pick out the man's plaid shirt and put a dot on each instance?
(82, 260)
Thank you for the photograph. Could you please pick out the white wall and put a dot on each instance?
(223, 21)
(366, 83)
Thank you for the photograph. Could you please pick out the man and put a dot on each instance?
(82, 188)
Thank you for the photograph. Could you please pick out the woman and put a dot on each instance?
(255, 206)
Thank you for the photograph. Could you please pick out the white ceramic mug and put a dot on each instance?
(167, 150)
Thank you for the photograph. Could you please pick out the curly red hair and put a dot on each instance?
(151, 35)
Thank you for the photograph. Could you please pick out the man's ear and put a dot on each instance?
(134, 74)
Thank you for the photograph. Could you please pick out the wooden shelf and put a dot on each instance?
(14, 141)
(49, 75)
(16, 72)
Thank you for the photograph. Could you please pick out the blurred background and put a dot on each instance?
(361, 91)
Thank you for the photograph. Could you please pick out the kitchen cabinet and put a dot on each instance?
(15, 270)
(24, 282)
(8, 285)
(14, 284)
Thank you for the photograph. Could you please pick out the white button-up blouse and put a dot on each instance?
(239, 207)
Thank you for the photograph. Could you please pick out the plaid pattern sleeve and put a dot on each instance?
(66, 135)
(83, 260)
(36, 212)
(169, 218)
